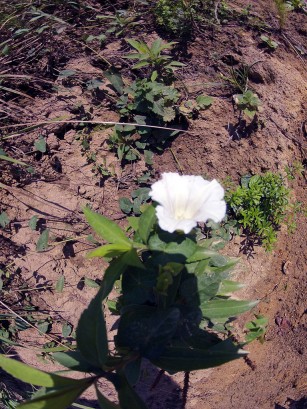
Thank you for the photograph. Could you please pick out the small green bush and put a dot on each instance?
(260, 205)
(176, 16)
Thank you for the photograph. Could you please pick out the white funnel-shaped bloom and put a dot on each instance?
(186, 200)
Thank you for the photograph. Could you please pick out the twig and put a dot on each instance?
(216, 8)
(176, 160)
(37, 124)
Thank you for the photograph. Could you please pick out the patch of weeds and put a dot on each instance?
(248, 103)
(238, 77)
(294, 170)
(147, 102)
(259, 205)
(120, 23)
(296, 5)
(219, 234)
(191, 108)
(177, 16)
(151, 56)
(100, 168)
(256, 329)
(282, 8)
(226, 13)
(7, 398)
(139, 197)
(291, 219)
(269, 43)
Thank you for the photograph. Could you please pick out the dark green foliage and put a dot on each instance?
(145, 101)
(178, 16)
(172, 287)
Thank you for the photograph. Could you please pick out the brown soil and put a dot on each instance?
(213, 147)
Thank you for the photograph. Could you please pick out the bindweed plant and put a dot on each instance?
(147, 102)
(248, 103)
(173, 287)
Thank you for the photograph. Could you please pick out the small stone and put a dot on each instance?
(53, 142)
(81, 190)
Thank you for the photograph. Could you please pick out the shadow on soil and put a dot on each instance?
(294, 404)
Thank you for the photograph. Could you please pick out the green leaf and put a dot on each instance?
(91, 334)
(104, 403)
(60, 284)
(33, 222)
(115, 78)
(34, 376)
(132, 371)
(58, 398)
(125, 205)
(43, 327)
(200, 288)
(227, 287)
(66, 73)
(138, 45)
(146, 223)
(4, 219)
(225, 308)
(148, 155)
(147, 330)
(40, 145)
(110, 250)
(203, 101)
(112, 274)
(132, 259)
(9, 159)
(90, 283)
(134, 222)
(75, 361)
(140, 65)
(171, 244)
(42, 242)
(156, 47)
(183, 358)
(137, 286)
(201, 253)
(105, 228)
(128, 398)
(66, 329)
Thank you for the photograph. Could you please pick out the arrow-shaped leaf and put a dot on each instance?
(91, 332)
(105, 228)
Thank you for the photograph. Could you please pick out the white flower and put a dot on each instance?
(186, 200)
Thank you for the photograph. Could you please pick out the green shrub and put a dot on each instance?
(260, 205)
(176, 16)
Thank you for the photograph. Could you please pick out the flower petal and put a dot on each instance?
(186, 200)
(168, 223)
(213, 206)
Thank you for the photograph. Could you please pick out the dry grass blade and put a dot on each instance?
(41, 123)
(14, 91)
